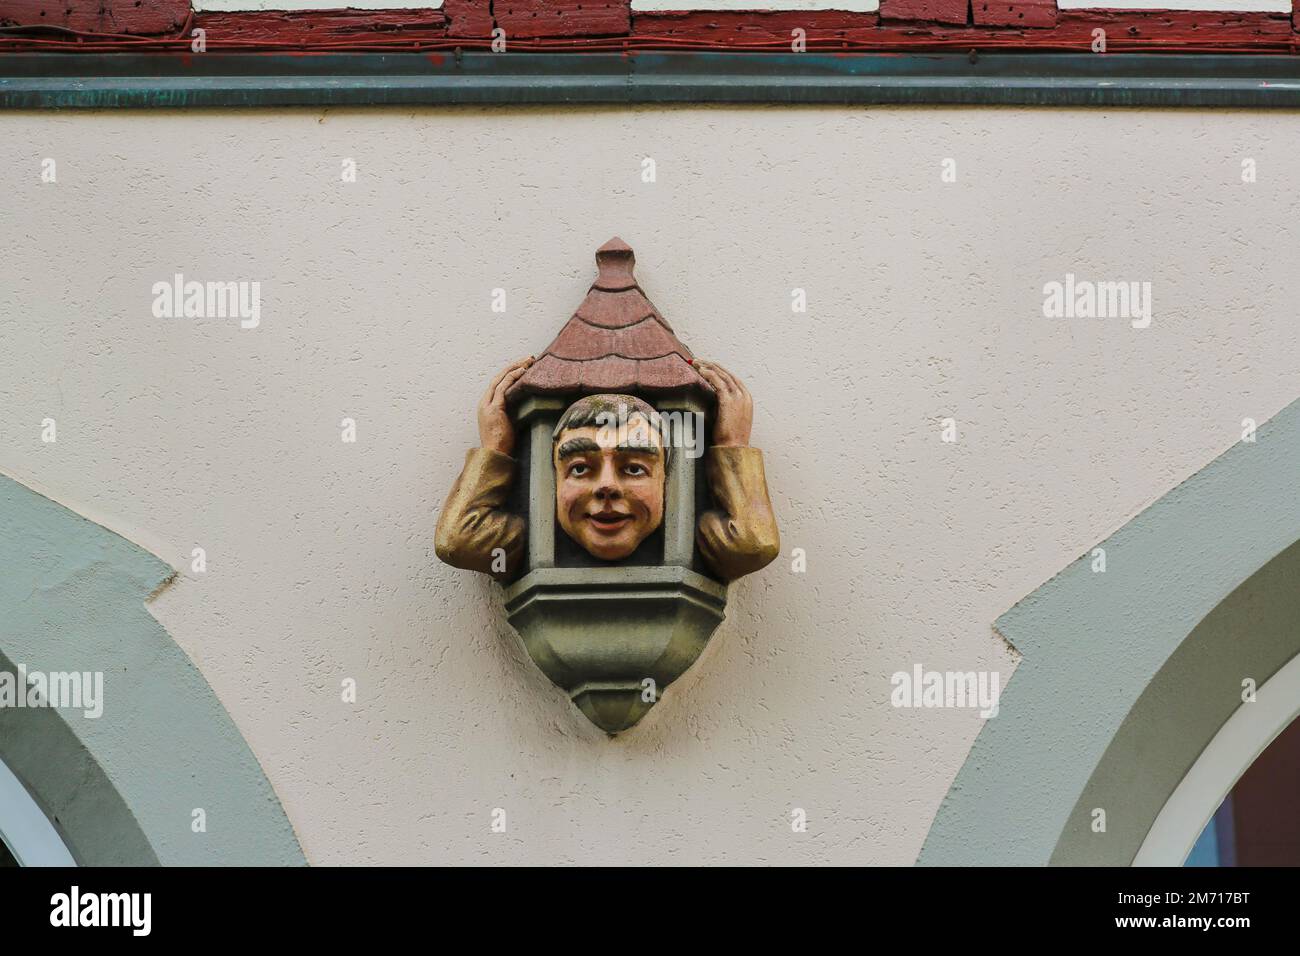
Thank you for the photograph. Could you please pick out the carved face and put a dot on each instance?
(609, 485)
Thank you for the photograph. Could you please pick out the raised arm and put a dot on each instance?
(740, 535)
(475, 531)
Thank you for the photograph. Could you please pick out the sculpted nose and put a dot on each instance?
(608, 487)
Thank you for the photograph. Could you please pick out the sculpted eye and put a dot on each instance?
(636, 470)
(578, 469)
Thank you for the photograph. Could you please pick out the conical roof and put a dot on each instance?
(616, 342)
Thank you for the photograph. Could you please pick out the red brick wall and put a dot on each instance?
(94, 25)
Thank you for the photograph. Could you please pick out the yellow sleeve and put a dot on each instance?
(474, 524)
(740, 535)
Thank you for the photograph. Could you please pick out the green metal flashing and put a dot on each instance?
(58, 80)
(1194, 598)
(122, 788)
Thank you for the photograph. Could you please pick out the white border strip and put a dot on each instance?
(752, 6)
(31, 837)
(1234, 748)
(250, 6)
(1217, 6)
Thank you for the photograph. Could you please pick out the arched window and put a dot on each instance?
(27, 838)
(1255, 760)
(1256, 825)
(1168, 681)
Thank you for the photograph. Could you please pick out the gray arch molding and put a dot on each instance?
(1127, 675)
(121, 789)
(70, 787)
(1253, 633)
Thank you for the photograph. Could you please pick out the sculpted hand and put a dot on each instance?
(495, 432)
(735, 406)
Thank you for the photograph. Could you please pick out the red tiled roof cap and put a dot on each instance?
(616, 342)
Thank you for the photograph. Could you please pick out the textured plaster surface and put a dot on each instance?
(924, 302)
(121, 786)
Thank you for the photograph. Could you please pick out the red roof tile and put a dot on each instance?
(616, 341)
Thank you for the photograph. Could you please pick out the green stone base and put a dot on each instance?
(615, 638)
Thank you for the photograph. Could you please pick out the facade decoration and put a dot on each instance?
(640, 456)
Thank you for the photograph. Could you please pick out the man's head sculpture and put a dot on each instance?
(610, 458)
(667, 529)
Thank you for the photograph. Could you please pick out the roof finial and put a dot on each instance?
(615, 261)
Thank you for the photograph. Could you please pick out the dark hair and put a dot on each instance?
(596, 410)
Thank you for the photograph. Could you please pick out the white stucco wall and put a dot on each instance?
(925, 302)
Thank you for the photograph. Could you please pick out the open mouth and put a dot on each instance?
(609, 520)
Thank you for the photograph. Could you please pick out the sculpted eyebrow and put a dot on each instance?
(640, 449)
(576, 446)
